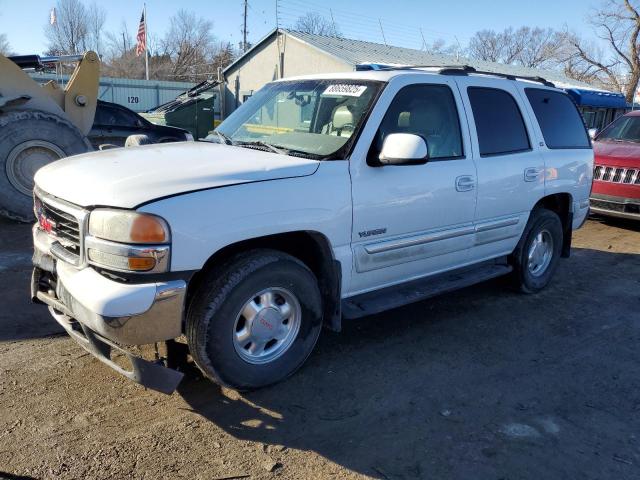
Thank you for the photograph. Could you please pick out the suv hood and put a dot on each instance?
(128, 177)
(617, 154)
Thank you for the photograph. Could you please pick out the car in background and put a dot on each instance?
(194, 110)
(113, 123)
(616, 176)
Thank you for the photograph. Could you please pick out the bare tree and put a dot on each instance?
(96, 18)
(441, 47)
(189, 44)
(540, 47)
(617, 22)
(317, 24)
(529, 47)
(119, 58)
(5, 48)
(486, 45)
(69, 34)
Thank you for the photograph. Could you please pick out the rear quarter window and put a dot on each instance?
(559, 119)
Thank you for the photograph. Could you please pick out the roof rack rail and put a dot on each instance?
(511, 76)
(460, 69)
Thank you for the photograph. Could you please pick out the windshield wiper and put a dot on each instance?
(224, 137)
(260, 143)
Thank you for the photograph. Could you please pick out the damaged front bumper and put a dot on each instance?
(103, 315)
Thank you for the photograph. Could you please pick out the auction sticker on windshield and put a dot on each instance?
(345, 90)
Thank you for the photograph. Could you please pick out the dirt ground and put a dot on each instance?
(483, 383)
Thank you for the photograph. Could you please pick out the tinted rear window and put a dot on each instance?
(498, 121)
(559, 119)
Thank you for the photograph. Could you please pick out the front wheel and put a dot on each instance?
(254, 321)
(536, 256)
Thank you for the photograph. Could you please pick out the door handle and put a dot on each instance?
(465, 183)
(531, 174)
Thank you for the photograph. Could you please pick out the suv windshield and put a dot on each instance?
(624, 129)
(311, 118)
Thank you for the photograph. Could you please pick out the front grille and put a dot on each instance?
(629, 176)
(65, 228)
(64, 222)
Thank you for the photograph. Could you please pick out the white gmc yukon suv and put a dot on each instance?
(320, 198)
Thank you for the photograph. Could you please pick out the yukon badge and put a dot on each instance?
(369, 233)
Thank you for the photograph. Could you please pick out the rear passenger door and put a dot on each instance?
(565, 145)
(510, 167)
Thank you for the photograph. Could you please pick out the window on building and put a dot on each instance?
(426, 110)
(498, 120)
(559, 119)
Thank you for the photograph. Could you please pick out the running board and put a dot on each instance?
(396, 296)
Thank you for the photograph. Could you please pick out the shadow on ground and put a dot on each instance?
(623, 223)
(481, 383)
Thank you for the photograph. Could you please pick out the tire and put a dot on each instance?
(30, 139)
(215, 323)
(534, 267)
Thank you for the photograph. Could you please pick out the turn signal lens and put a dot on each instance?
(118, 262)
(141, 264)
(148, 229)
(125, 226)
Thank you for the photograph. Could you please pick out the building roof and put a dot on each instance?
(359, 52)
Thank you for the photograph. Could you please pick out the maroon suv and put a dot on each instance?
(616, 176)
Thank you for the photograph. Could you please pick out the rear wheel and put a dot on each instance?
(254, 321)
(29, 140)
(536, 257)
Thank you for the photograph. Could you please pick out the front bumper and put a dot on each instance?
(613, 206)
(103, 315)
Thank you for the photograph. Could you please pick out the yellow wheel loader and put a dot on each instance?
(41, 124)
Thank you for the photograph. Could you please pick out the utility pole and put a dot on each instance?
(244, 28)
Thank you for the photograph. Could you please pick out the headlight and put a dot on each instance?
(128, 227)
(127, 241)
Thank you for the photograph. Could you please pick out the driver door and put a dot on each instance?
(411, 221)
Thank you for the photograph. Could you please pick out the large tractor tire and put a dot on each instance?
(29, 140)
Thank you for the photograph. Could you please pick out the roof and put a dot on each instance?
(385, 75)
(358, 52)
(595, 98)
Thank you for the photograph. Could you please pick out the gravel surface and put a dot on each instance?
(483, 383)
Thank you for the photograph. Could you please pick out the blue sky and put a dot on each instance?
(454, 20)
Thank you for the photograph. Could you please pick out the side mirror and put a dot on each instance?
(404, 149)
(593, 132)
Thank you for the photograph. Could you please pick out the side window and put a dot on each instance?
(124, 118)
(102, 115)
(559, 119)
(498, 121)
(112, 116)
(426, 110)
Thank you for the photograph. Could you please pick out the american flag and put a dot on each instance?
(141, 47)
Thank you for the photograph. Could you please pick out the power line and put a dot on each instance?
(355, 24)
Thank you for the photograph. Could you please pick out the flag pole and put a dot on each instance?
(146, 43)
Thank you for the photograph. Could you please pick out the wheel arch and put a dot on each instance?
(310, 247)
(561, 204)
